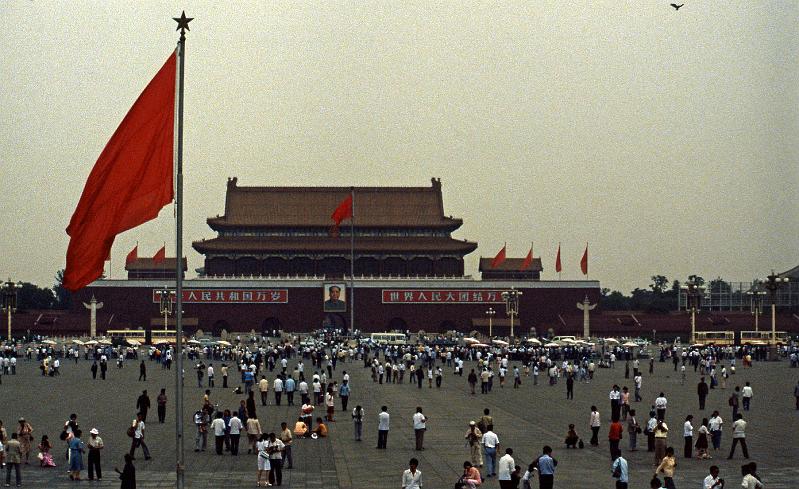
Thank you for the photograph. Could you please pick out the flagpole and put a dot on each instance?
(183, 26)
(352, 262)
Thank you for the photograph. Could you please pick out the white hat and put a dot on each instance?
(314, 436)
(94, 431)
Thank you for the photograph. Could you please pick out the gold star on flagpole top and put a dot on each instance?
(183, 22)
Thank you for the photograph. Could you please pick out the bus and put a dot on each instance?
(762, 337)
(715, 337)
(389, 338)
(157, 336)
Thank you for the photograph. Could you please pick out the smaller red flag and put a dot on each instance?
(343, 211)
(133, 255)
(497, 261)
(160, 255)
(558, 267)
(584, 261)
(528, 261)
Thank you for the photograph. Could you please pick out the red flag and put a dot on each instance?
(133, 255)
(558, 268)
(528, 261)
(343, 211)
(497, 261)
(129, 184)
(584, 261)
(160, 255)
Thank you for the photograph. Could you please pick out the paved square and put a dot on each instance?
(525, 419)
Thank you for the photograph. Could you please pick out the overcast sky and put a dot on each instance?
(666, 139)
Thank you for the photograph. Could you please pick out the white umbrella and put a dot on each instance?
(630, 344)
(552, 345)
(104, 342)
(78, 342)
(698, 345)
(471, 340)
(611, 340)
(49, 342)
(134, 342)
(91, 342)
(223, 343)
(193, 342)
(500, 342)
(478, 345)
(534, 341)
(568, 340)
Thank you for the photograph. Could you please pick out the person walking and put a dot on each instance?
(702, 391)
(383, 421)
(419, 427)
(286, 437)
(263, 461)
(13, 452)
(746, 396)
(688, 435)
(357, 422)
(661, 440)
(142, 374)
(263, 388)
(715, 425)
(254, 432)
(143, 405)
(490, 442)
(506, 467)
(595, 425)
(632, 430)
(25, 438)
(138, 438)
(546, 469)
(620, 471)
(660, 406)
(161, 402)
(95, 446)
(667, 465)
(201, 421)
(412, 477)
(234, 429)
(702, 440)
(615, 402)
(344, 394)
(473, 438)
(275, 448)
(713, 481)
(128, 473)
(76, 449)
(739, 436)
(614, 438)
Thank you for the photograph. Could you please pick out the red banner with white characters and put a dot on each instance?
(441, 296)
(229, 296)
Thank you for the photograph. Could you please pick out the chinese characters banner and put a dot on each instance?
(447, 296)
(228, 296)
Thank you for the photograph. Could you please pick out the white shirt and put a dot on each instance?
(614, 394)
(594, 419)
(383, 421)
(277, 385)
(687, 429)
(411, 480)
(750, 482)
(709, 481)
(218, 425)
(660, 403)
(210, 371)
(746, 391)
(739, 429)
(419, 421)
(490, 439)
(506, 466)
(235, 425)
(715, 423)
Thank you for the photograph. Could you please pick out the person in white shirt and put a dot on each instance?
(688, 434)
(594, 423)
(277, 387)
(419, 427)
(263, 460)
(218, 428)
(506, 467)
(235, 433)
(383, 421)
(490, 442)
(746, 396)
(714, 425)
(412, 477)
(739, 436)
(713, 481)
(660, 407)
(751, 480)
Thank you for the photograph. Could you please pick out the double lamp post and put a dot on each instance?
(9, 291)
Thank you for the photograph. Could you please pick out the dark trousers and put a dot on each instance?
(746, 401)
(139, 442)
(264, 398)
(594, 435)
(689, 445)
(505, 484)
(290, 398)
(615, 409)
(661, 414)
(382, 438)
(546, 481)
(278, 395)
(621, 485)
(742, 441)
(224, 381)
(161, 413)
(234, 444)
(344, 400)
(419, 439)
(615, 451)
(276, 474)
(650, 442)
(219, 442)
(701, 402)
(18, 474)
(94, 464)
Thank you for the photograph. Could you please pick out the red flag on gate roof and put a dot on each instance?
(133, 255)
(558, 267)
(160, 255)
(528, 261)
(500, 258)
(584, 261)
(130, 182)
(343, 211)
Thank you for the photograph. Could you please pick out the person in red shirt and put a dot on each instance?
(614, 437)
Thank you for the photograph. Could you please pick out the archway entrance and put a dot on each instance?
(334, 321)
(397, 324)
(220, 325)
(270, 327)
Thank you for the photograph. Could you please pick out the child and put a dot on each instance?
(529, 475)
(571, 437)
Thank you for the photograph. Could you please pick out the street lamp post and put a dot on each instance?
(10, 290)
(511, 298)
(491, 313)
(166, 305)
(757, 305)
(772, 284)
(693, 291)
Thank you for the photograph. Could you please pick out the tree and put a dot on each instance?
(32, 297)
(615, 301)
(63, 297)
(696, 279)
(659, 284)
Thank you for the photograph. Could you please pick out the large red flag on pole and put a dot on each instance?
(133, 255)
(558, 267)
(160, 255)
(129, 184)
(343, 211)
(528, 261)
(584, 261)
(500, 258)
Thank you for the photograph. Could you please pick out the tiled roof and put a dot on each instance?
(312, 206)
(510, 265)
(332, 245)
(148, 264)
